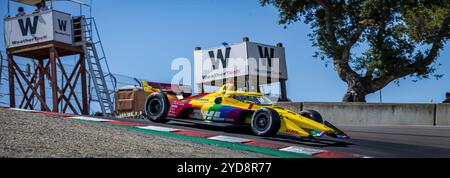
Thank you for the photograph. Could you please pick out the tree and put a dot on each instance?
(401, 38)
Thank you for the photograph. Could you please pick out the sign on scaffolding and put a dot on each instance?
(248, 65)
(38, 28)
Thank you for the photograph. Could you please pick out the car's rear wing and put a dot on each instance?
(151, 87)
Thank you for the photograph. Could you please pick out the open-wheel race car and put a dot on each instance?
(229, 107)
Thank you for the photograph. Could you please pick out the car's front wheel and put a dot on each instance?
(157, 107)
(265, 122)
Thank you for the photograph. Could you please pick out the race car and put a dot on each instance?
(227, 106)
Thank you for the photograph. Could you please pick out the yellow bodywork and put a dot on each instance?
(291, 123)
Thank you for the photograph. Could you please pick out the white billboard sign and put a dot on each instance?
(38, 28)
(222, 62)
(244, 59)
(270, 61)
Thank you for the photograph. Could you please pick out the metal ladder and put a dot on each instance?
(96, 60)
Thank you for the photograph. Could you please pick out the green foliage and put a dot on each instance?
(401, 38)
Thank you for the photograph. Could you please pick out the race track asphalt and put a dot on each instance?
(376, 142)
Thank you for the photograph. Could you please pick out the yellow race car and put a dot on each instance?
(229, 107)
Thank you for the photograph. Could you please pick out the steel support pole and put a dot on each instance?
(12, 94)
(283, 90)
(53, 79)
(9, 13)
(84, 93)
(42, 83)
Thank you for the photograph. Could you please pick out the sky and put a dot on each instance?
(142, 37)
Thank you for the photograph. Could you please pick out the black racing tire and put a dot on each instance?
(312, 114)
(265, 122)
(157, 107)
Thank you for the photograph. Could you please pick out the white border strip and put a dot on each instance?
(24, 110)
(229, 139)
(89, 119)
(161, 129)
(296, 149)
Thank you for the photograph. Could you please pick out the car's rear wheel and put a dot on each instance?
(265, 122)
(157, 107)
(312, 114)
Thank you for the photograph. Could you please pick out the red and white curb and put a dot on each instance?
(281, 147)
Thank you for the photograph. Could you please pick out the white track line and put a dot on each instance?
(24, 110)
(90, 119)
(296, 149)
(229, 139)
(161, 129)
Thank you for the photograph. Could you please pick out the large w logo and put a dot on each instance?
(62, 25)
(220, 58)
(264, 54)
(28, 26)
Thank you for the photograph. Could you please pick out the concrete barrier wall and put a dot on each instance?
(293, 106)
(374, 114)
(443, 114)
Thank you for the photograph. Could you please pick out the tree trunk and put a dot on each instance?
(354, 97)
(356, 92)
